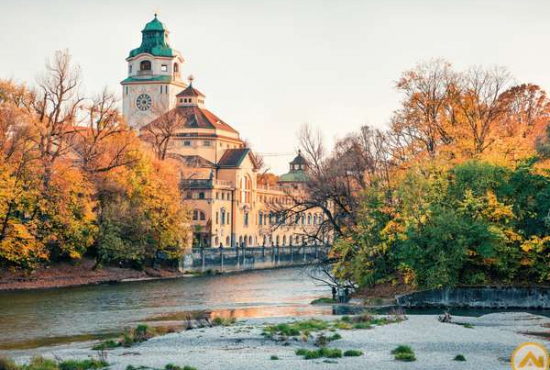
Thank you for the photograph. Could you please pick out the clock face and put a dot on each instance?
(143, 102)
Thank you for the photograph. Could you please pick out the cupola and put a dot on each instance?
(190, 97)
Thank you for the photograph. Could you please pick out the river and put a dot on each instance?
(33, 319)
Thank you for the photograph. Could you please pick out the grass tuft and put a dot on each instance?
(353, 353)
(459, 358)
(274, 358)
(404, 353)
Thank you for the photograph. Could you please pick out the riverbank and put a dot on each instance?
(486, 342)
(79, 274)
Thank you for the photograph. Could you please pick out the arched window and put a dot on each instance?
(176, 68)
(227, 241)
(284, 240)
(246, 219)
(145, 65)
(303, 218)
(277, 242)
(223, 216)
(309, 218)
(261, 217)
(246, 189)
(315, 219)
(250, 240)
(216, 241)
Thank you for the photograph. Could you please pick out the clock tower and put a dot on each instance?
(154, 71)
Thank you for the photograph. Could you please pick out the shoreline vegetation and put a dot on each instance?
(344, 342)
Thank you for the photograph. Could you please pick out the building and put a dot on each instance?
(219, 174)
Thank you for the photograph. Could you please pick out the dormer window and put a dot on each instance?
(145, 65)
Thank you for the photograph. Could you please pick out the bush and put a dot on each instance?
(459, 358)
(321, 352)
(323, 300)
(274, 358)
(406, 357)
(108, 344)
(223, 321)
(41, 363)
(82, 364)
(174, 367)
(353, 353)
(403, 353)
(8, 364)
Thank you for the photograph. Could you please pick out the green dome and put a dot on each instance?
(154, 40)
(294, 176)
(154, 25)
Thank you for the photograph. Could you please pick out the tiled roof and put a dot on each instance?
(190, 91)
(234, 157)
(156, 78)
(196, 117)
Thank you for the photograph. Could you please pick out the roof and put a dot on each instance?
(155, 25)
(157, 78)
(294, 176)
(299, 159)
(190, 91)
(154, 40)
(235, 157)
(195, 117)
(194, 161)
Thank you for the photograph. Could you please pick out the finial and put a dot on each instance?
(191, 78)
(156, 12)
(300, 152)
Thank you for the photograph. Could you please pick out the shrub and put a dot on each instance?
(353, 353)
(406, 357)
(468, 326)
(403, 353)
(8, 364)
(321, 352)
(108, 344)
(223, 321)
(175, 367)
(41, 363)
(274, 358)
(82, 364)
(460, 358)
(323, 301)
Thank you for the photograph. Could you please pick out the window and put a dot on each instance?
(217, 218)
(201, 195)
(309, 218)
(223, 216)
(207, 143)
(145, 65)
(246, 219)
(217, 195)
(164, 68)
(198, 215)
(187, 143)
(176, 68)
(130, 69)
(261, 217)
(126, 90)
(246, 189)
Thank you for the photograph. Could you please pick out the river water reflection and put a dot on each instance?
(38, 318)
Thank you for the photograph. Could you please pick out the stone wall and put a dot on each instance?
(250, 258)
(480, 297)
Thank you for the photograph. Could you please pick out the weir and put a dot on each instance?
(250, 258)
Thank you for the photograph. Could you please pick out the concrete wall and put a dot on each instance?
(481, 297)
(250, 258)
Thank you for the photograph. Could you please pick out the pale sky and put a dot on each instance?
(267, 67)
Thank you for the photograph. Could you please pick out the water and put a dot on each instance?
(34, 319)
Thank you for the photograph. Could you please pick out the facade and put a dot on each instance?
(219, 174)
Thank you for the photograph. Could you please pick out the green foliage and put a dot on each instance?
(319, 353)
(8, 364)
(404, 353)
(108, 344)
(323, 300)
(175, 367)
(87, 364)
(353, 353)
(475, 223)
(274, 358)
(223, 321)
(459, 358)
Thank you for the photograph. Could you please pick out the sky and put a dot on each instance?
(268, 67)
